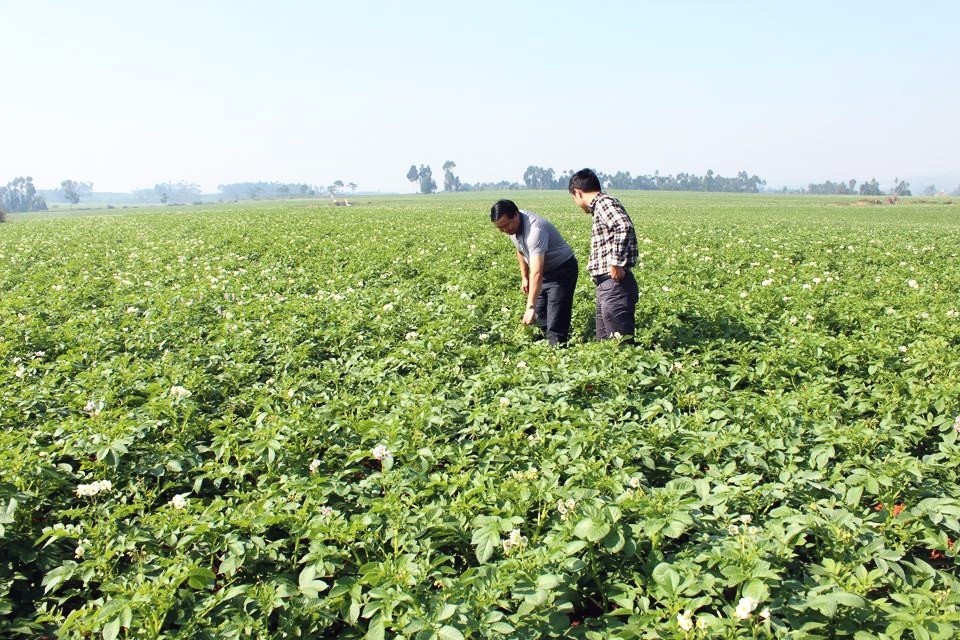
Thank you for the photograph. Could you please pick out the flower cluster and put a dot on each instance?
(956, 424)
(746, 607)
(565, 508)
(514, 541)
(314, 466)
(179, 393)
(529, 474)
(93, 408)
(380, 452)
(92, 489)
(179, 501)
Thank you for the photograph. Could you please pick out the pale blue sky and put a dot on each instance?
(127, 94)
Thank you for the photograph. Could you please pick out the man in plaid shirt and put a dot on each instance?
(613, 253)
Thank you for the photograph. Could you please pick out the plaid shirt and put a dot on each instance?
(614, 242)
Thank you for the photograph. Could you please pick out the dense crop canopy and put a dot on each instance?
(301, 421)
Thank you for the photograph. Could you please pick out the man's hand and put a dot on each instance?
(529, 317)
(525, 285)
(617, 273)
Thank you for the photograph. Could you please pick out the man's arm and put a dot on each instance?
(535, 282)
(524, 273)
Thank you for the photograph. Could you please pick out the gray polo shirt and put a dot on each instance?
(538, 236)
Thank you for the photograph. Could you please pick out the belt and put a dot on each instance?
(603, 277)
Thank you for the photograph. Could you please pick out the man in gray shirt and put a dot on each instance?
(548, 268)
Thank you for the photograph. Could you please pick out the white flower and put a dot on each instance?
(913, 284)
(817, 281)
(20, 372)
(746, 518)
(616, 335)
(326, 512)
(956, 424)
(92, 489)
(634, 483)
(380, 452)
(388, 306)
(767, 282)
(484, 337)
(132, 310)
(765, 614)
(953, 313)
(810, 318)
(733, 530)
(685, 621)
(411, 335)
(806, 286)
(93, 408)
(744, 294)
(179, 393)
(566, 507)
(314, 466)
(514, 541)
(39, 354)
(521, 365)
(745, 607)
(793, 320)
(179, 501)
(666, 289)
(902, 349)
(504, 401)
(79, 551)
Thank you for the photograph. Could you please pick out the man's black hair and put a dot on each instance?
(503, 208)
(585, 180)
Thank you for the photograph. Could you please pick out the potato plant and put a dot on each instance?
(295, 421)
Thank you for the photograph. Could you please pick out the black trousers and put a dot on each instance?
(554, 306)
(616, 306)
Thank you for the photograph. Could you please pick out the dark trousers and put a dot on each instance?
(616, 305)
(555, 303)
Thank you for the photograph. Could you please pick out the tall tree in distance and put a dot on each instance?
(21, 195)
(450, 181)
(427, 183)
(901, 188)
(412, 174)
(73, 190)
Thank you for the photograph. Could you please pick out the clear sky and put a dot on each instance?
(127, 94)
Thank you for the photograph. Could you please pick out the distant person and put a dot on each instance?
(613, 253)
(548, 269)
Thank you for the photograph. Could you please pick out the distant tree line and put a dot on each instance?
(20, 195)
(536, 177)
(265, 190)
(849, 188)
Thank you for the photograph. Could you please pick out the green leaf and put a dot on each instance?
(755, 589)
(447, 611)
(447, 632)
(310, 586)
(591, 530)
(549, 581)
(111, 630)
(375, 630)
(201, 578)
(486, 540)
(667, 578)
